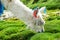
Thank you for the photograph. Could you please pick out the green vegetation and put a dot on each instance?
(15, 29)
(50, 4)
(52, 26)
(43, 36)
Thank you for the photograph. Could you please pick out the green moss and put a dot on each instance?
(43, 36)
(50, 4)
(52, 26)
(23, 35)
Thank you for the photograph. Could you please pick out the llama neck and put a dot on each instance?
(25, 8)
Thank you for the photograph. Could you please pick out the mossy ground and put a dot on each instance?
(12, 29)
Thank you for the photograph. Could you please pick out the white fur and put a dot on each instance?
(25, 14)
(6, 14)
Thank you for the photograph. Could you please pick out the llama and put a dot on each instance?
(25, 14)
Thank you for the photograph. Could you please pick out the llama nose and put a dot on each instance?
(41, 22)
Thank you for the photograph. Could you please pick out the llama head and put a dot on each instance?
(40, 20)
(41, 11)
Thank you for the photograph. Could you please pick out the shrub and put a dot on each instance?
(52, 26)
(10, 23)
(58, 17)
(53, 15)
(12, 30)
(57, 36)
(42, 36)
(23, 35)
(50, 4)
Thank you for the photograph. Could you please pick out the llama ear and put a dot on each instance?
(45, 11)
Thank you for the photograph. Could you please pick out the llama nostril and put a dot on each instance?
(41, 22)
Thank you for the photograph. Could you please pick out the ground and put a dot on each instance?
(14, 29)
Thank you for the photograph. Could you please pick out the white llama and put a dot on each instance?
(25, 14)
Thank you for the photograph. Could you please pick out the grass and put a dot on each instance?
(52, 26)
(12, 29)
(43, 36)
